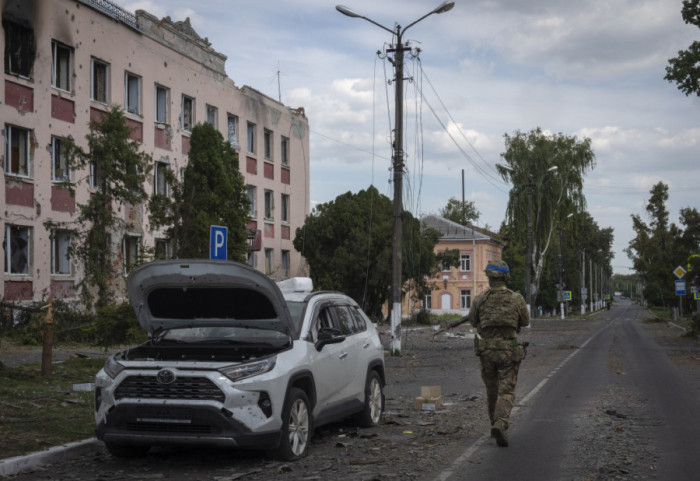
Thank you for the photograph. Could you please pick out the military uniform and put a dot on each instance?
(498, 314)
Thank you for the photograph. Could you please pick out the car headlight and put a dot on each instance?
(243, 371)
(113, 368)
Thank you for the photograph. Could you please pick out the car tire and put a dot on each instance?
(127, 450)
(297, 427)
(371, 415)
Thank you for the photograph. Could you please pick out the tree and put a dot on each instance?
(213, 192)
(547, 169)
(121, 171)
(347, 243)
(462, 213)
(685, 69)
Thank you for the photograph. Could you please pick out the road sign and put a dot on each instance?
(217, 242)
(680, 288)
(679, 272)
(567, 295)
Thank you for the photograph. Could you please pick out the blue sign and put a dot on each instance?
(680, 288)
(217, 242)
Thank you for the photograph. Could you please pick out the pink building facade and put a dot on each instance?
(66, 62)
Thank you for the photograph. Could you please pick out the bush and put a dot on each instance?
(694, 330)
(422, 317)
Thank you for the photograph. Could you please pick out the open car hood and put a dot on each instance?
(196, 293)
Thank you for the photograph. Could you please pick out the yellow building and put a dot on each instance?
(453, 288)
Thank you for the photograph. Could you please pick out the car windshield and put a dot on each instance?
(296, 310)
(225, 335)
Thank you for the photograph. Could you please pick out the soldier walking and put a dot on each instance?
(498, 314)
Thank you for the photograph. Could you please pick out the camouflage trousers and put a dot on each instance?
(499, 371)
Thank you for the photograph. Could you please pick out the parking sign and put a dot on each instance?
(217, 242)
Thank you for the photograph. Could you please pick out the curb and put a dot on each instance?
(56, 454)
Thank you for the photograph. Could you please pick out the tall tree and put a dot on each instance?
(684, 70)
(546, 170)
(213, 192)
(462, 213)
(347, 243)
(121, 170)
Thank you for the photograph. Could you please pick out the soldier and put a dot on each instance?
(498, 314)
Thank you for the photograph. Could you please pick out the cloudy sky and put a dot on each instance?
(488, 67)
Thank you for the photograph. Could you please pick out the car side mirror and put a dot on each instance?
(328, 335)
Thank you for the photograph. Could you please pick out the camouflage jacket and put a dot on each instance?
(499, 313)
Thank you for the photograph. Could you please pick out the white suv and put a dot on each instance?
(237, 360)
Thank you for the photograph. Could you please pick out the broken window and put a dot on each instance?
(60, 252)
(60, 170)
(269, 259)
(251, 138)
(267, 144)
(269, 204)
(162, 249)
(99, 81)
(285, 264)
(252, 192)
(187, 119)
(17, 249)
(131, 249)
(160, 181)
(252, 262)
(284, 215)
(19, 49)
(233, 130)
(212, 114)
(162, 95)
(17, 151)
(132, 87)
(61, 66)
(284, 151)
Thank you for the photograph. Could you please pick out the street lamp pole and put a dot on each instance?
(397, 163)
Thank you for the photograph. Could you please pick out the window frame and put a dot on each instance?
(285, 263)
(250, 137)
(57, 143)
(57, 76)
(165, 244)
(27, 248)
(19, 39)
(160, 181)
(428, 301)
(285, 200)
(57, 251)
(212, 115)
(183, 113)
(269, 261)
(269, 205)
(232, 133)
(129, 78)
(268, 138)
(25, 154)
(284, 151)
(462, 259)
(251, 189)
(465, 298)
(130, 240)
(93, 80)
(157, 100)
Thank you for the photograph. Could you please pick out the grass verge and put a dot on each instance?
(39, 412)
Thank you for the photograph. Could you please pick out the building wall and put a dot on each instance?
(157, 53)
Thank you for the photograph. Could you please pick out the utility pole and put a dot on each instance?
(528, 254)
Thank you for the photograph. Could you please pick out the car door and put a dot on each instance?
(355, 366)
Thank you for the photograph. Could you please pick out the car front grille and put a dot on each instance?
(169, 428)
(183, 388)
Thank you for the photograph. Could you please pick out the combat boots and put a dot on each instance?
(498, 431)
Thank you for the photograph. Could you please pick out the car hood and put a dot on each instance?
(196, 293)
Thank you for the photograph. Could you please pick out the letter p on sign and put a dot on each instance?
(217, 242)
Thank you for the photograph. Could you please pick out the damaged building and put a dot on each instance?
(68, 61)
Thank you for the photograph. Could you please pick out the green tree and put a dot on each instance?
(463, 213)
(548, 170)
(213, 193)
(121, 172)
(684, 69)
(347, 243)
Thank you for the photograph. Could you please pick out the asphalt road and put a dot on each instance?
(615, 408)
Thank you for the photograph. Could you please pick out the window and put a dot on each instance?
(446, 267)
(251, 138)
(94, 175)
(268, 261)
(267, 144)
(284, 215)
(346, 322)
(18, 255)
(465, 262)
(17, 151)
(60, 170)
(162, 96)
(269, 205)
(131, 249)
(252, 193)
(132, 93)
(160, 178)
(187, 118)
(233, 130)
(61, 66)
(428, 301)
(285, 264)
(284, 151)
(162, 249)
(212, 115)
(252, 259)
(360, 320)
(19, 49)
(99, 81)
(60, 257)
(465, 299)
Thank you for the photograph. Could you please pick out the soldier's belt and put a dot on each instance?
(498, 344)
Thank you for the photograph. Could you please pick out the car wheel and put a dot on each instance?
(127, 450)
(296, 427)
(374, 402)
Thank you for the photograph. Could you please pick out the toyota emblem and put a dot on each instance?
(165, 376)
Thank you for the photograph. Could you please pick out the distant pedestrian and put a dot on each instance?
(498, 314)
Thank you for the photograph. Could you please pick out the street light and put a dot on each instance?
(397, 161)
